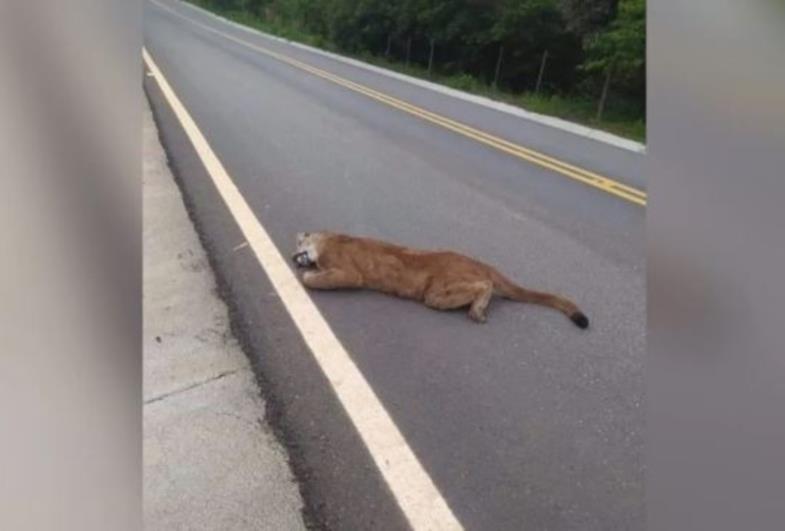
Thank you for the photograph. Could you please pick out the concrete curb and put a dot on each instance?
(210, 459)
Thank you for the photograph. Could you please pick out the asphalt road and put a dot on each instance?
(525, 422)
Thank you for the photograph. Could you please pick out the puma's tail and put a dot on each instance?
(509, 290)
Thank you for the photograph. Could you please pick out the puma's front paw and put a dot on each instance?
(478, 317)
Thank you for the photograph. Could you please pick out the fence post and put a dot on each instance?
(604, 96)
(389, 45)
(430, 57)
(542, 71)
(498, 68)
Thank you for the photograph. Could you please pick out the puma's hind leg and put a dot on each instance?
(449, 296)
(331, 279)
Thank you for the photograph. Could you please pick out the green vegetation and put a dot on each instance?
(581, 60)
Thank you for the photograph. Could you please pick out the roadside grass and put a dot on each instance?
(574, 109)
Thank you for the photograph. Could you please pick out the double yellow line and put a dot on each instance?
(595, 180)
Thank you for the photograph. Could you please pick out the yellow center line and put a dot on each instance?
(577, 173)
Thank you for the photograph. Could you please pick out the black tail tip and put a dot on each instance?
(580, 320)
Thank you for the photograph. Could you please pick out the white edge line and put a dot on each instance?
(556, 123)
(413, 489)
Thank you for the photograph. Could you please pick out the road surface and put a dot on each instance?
(525, 422)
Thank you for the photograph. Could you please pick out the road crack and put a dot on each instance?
(191, 386)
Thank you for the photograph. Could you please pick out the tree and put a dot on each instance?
(442, 22)
(619, 53)
(586, 17)
(526, 28)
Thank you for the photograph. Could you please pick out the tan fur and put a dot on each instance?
(442, 280)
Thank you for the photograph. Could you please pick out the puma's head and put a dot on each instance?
(306, 253)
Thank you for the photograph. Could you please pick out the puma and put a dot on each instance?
(442, 280)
